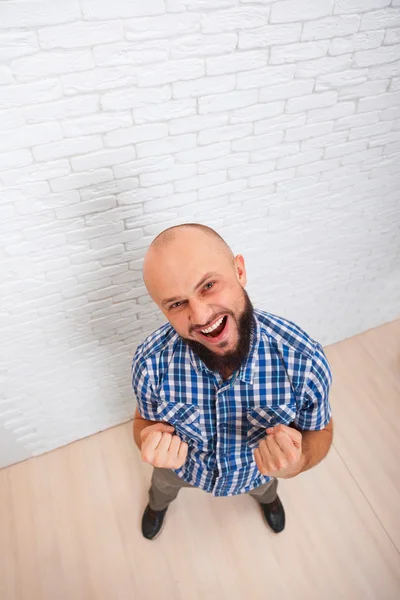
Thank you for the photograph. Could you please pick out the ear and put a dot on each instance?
(240, 270)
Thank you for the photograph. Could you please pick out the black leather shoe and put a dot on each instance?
(152, 522)
(274, 514)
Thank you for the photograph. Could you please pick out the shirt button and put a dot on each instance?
(224, 426)
(272, 421)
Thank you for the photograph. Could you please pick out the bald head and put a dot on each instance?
(181, 253)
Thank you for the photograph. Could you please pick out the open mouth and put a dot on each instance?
(215, 329)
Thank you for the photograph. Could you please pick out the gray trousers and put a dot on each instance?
(165, 486)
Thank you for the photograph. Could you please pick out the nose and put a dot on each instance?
(199, 312)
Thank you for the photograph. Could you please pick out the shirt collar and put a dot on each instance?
(247, 369)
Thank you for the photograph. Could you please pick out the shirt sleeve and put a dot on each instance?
(315, 410)
(145, 395)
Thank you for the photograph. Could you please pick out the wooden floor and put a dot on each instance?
(70, 520)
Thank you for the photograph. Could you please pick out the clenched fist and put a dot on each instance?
(280, 453)
(162, 449)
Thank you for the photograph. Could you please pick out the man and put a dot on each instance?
(229, 398)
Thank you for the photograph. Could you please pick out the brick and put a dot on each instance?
(358, 120)
(359, 41)
(36, 172)
(290, 11)
(143, 165)
(134, 97)
(341, 109)
(236, 62)
(254, 193)
(158, 204)
(233, 19)
(279, 151)
(165, 111)
(369, 130)
(379, 102)
(16, 43)
(201, 45)
(31, 135)
(292, 53)
(257, 142)
(322, 141)
(381, 19)
(257, 112)
(392, 148)
(18, 158)
(251, 169)
(197, 123)
(127, 53)
(31, 93)
(358, 6)
(383, 139)
(173, 70)
(330, 27)
(68, 147)
(265, 77)
(182, 5)
(322, 66)
(100, 78)
(102, 158)
(272, 178)
(97, 123)
(392, 36)
(223, 189)
(5, 75)
(163, 26)
(311, 101)
(61, 109)
(379, 56)
(301, 158)
(169, 175)
(134, 135)
(203, 86)
(94, 10)
(200, 181)
(395, 85)
(270, 35)
(109, 188)
(224, 102)
(302, 133)
(204, 153)
(384, 71)
(80, 180)
(369, 88)
(11, 118)
(221, 134)
(389, 114)
(166, 146)
(278, 123)
(333, 81)
(46, 64)
(35, 14)
(343, 149)
(79, 34)
(226, 162)
(318, 167)
(292, 89)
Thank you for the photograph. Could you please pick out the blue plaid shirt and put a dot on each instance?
(285, 379)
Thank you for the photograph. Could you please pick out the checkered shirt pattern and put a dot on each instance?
(285, 379)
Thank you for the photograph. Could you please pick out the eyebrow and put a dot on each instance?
(196, 287)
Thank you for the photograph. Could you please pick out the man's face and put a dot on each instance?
(199, 288)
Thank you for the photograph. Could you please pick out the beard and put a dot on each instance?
(232, 360)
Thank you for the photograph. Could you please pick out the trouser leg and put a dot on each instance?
(266, 493)
(165, 486)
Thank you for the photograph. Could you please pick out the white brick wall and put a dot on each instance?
(277, 122)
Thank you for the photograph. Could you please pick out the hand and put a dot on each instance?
(280, 453)
(162, 449)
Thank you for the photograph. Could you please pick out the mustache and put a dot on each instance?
(214, 317)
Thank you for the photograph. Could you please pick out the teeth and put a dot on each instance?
(210, 329)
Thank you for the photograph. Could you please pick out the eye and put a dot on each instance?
(209, 285)
(176, 305)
